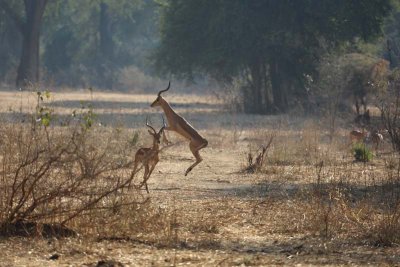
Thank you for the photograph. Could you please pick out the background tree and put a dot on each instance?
(83, 43)
(273, 47)
(10, 41)
(98, 38)
(28, 23)
(391, 44)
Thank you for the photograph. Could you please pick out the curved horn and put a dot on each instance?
(162, 91)
(148, 125)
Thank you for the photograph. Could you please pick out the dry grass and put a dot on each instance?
(309, 204)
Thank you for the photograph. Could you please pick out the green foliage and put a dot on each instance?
(270, 46)
(273, 46)
(343, 76)
(135, 139)
(86, 116)
(98, 39)
(89, 118)
(362, 153)
(44, 114)
(391, 46)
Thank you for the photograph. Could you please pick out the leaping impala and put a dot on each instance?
(181, 126)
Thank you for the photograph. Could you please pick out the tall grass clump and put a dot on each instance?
(354, 204)
(362, 153)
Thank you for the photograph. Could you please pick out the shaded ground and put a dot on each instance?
(223, 217)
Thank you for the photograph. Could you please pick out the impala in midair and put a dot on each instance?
(181, 126)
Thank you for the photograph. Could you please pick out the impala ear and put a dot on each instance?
(150, 132)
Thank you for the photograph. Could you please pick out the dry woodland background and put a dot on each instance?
(271, 190)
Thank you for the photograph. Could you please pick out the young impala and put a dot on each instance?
(181, 126)
(376, 138)
(148, 156)
(358, 136)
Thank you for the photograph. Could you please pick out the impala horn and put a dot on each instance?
(162, 91)
(148, 125)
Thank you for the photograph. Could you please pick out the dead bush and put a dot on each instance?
(256, 163)
(56, 175)
(60, 180)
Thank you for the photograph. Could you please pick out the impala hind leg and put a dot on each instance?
(196, 154)
(133, 174)
(145, 177)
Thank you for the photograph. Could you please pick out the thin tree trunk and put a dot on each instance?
(106, 56)
(106, 41)
(254, 100)
(28, 70)
(29, 27)
(257, 92)
(279, 87)
(266, 90)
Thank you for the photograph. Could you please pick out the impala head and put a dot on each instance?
(159, 97)
(156, 135)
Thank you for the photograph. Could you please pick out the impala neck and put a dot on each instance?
(167, 108)
(155, 144)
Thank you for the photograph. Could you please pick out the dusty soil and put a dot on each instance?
(220, 215)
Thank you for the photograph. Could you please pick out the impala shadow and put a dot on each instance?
(376, 194)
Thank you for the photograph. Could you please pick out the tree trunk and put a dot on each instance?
(106, 56)
(257, 97)
(279, 87)
(28, 70)
(106, 41)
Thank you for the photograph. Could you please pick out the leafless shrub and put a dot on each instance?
(57, 175)
(255, 164)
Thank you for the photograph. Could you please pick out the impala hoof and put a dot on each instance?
(187, 171)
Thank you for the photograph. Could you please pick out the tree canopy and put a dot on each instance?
(271, 46)
(81, 42)
(270, 50)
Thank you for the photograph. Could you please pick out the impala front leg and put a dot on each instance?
(165, 140)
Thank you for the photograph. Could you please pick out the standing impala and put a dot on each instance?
(148, 156)
(181, 126)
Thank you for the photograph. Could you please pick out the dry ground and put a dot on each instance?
(218, 215)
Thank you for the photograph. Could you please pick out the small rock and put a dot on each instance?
(54, 257)
(109, 263)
